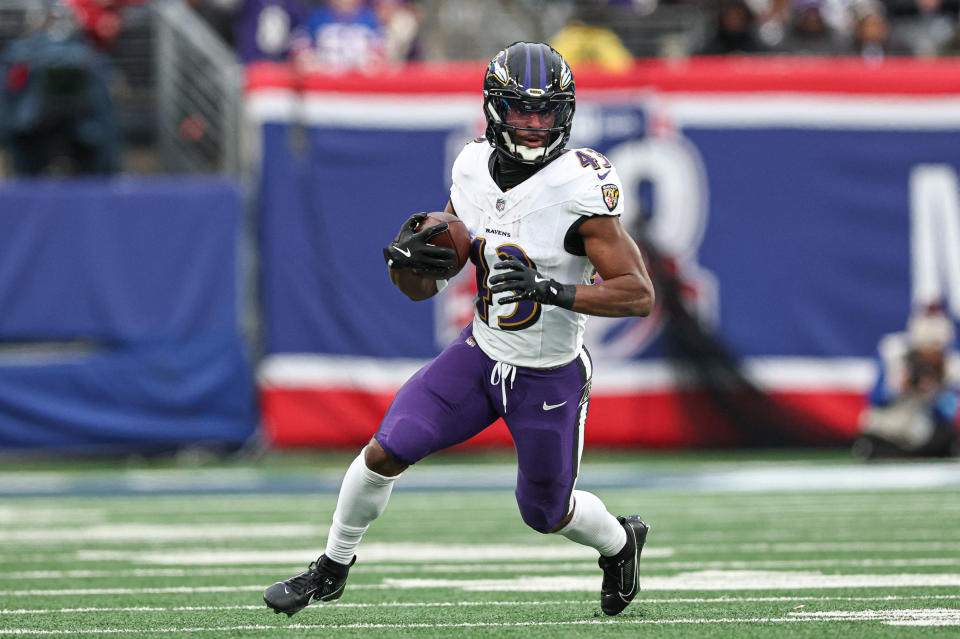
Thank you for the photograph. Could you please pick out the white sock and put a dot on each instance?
(363, 497)
(591, 525)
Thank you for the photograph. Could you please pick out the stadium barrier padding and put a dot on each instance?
(119, 303)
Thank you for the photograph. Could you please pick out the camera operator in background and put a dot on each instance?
(913, 406)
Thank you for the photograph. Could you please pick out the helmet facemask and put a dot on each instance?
(529, 130)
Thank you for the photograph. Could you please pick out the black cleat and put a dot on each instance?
(324, 580)
(620, 571)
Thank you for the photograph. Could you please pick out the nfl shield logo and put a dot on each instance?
(501, 203)
(611, 195)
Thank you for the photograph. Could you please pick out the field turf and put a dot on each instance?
(766, 557)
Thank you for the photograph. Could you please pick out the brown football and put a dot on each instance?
(456, 237)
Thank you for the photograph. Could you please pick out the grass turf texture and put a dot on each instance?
(455, 563)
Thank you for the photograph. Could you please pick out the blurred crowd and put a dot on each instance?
(867, 28)
(334, 34)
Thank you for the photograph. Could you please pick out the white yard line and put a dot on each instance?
(371, 553)
(129, 591)
(470, 604)
(34, 516)
(939, 613)
(399, 626)
(914, 617)
(707, 580)
(806, 563)
(941, 533)
(487, 567)
(841, 546)
(145, 572)
(158, 532)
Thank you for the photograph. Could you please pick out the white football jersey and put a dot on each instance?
(531, 222)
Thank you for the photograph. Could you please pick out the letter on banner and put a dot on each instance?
(935, 236)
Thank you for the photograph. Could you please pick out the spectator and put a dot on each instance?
(871, 32)
(736, 30)
(401, 24)
(927, 31)
(913, 406)
(100, 20)
(772, 19)
(338, 36)
(808, 33)
(264, 28)
(582, 43)
(56, 114)
(839, 17)
(221, 15)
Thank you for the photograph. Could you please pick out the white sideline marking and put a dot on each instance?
(916, 617)
(489, 567)
(840, 533)
(374, 552)
(159, 532)
(807, 563)
(468, 604)
(942, 613)
(394, 604)
(132, 591)
(373, 626)
(851, 546)
(141, 572)
(701, 580)
(36, 516)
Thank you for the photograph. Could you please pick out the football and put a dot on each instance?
(456, 237)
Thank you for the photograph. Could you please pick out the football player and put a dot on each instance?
(543, 221)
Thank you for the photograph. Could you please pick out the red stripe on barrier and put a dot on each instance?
(347, 419)
(894, 76)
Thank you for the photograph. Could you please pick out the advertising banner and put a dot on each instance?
(804, 207)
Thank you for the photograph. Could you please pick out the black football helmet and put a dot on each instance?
(530, 77)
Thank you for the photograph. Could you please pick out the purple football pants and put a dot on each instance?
(463, 391)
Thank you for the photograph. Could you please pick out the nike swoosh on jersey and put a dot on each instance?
(401, 251)
(547, 406)
(602, 176)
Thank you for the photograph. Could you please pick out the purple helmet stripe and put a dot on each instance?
(526, 79)
(543, 70)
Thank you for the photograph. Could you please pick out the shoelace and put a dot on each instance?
(501, 374)
(306, 579)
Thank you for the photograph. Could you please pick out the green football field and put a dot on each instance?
(739, 547)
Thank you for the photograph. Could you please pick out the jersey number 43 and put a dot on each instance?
(526, 312)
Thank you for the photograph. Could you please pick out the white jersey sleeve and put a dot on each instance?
(598, 184)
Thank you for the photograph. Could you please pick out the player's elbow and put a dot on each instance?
(643, 305)
(641, 297)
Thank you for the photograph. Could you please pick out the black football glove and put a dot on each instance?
(411, 250)
(529, 285)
